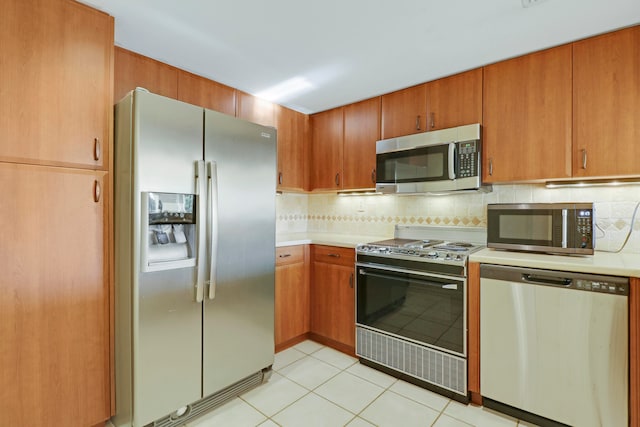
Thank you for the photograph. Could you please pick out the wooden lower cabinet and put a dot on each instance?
(333, 297)
(54, 299)
(291, 296)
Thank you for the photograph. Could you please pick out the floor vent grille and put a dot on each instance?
(435, 367)
(202, 406)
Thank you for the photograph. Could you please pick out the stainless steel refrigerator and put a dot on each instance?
(194, 258)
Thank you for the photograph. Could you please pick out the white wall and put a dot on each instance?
(377, 215)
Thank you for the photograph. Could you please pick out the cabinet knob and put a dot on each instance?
(334, 255)
(338, 179)
(433, 120)
(373, 176)
(96, 191)
(490, 166)
(418, 122)
(96, 149)
(351, 281)
(279, 178)
(584, 158)
(284, 255)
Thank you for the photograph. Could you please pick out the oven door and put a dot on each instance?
(419, 164)
(427, 308)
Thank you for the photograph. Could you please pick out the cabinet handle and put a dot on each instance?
(418, 122)
(284, 255)
(338, 179)
(351, 281)
(334, 255)
(584, 158)
(433, 120)
(96, 191)
(96, 149)
(279, 178)
(490, 166)
(373, 176)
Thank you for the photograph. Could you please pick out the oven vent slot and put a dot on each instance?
(441, 369)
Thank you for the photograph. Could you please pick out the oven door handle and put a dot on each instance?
(449, 286)
(380, 267)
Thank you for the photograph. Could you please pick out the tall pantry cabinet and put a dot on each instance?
(56, 78)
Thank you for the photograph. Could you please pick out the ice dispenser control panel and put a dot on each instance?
(170, 220)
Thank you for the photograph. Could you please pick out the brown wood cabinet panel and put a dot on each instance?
(361, 131)
(292, 312)
(527, 117)
(206, 93)
(293, 143)
(133, 70)
(255, 110)
(333, 297)
(606, 105)
(334, 255)
(54, 304)
(634, 352)
(455, 100)
(327, 136)
(56, 85)
(473, 316)
(404, 112)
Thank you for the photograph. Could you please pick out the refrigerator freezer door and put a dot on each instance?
(167, 328)
(238, 322)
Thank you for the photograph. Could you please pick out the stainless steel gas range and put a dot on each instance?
(411, 305)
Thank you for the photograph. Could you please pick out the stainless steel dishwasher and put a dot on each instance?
(554, 346)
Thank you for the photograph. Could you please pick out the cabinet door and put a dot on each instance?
(256, 110)
(327, 135)
(293, 138)
(57, 70)
(455, 101)
(206, 93)
(361, 131)
(527, 117)
(292, 294)
(133, 70)
(404, 112)
(54, 304)
(606, 104)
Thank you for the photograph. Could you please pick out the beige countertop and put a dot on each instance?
(620, 264)
(330, 239)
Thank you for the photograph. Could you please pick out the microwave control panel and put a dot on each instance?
(467, 159)
(584, 228)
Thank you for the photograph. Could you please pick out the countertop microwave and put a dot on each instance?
(557, 228)
(440, 161)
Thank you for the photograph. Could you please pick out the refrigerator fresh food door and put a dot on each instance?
(167, 343)
(238, 308)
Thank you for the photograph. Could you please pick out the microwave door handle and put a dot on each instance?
(452, 155)
(564, 228)
(213, 227)
(201, 230)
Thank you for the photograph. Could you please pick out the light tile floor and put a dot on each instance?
(314, 385)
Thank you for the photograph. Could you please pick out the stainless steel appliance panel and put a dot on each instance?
(552, 348)
(238, 309)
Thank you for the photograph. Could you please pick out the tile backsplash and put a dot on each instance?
(377, 215)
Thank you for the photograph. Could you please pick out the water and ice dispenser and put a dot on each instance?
(169, 222)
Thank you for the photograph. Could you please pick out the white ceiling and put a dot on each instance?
(342, 51)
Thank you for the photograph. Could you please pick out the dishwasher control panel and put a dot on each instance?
(601, 286)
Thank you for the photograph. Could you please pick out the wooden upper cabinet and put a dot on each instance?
(455, 100)
(255, 110)
(206, 93)
(606, 105)
(54, 304)
(361, 131)
(404, 112)
(293, 136)
(57, 70)
(133, 70)
(327, 136)
(527, 117)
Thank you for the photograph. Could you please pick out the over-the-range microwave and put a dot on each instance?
(440, 161)
(557, 228)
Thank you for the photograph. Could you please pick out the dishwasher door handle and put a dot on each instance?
(546, 280)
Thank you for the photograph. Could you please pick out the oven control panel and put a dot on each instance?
(432, 255)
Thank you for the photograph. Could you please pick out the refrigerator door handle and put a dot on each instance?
(200, 232)
(213, 226)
